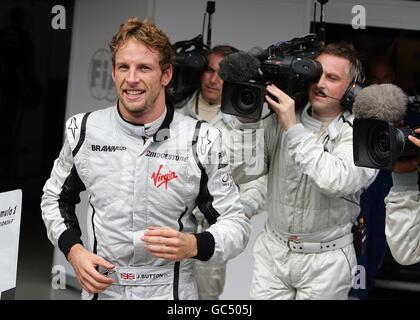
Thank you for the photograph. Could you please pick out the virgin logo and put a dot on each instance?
(159, 178)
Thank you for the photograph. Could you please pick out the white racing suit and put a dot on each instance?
(306, 250)
(210, 276)
(133, 183)
(402, 222)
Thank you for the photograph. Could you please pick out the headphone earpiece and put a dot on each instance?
(351, 93)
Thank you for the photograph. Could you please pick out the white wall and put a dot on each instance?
(241, 23)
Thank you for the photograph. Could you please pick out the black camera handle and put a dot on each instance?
(211, 8)
(322, 30)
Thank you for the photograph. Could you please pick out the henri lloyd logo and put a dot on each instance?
(97, 147)
(159, 178)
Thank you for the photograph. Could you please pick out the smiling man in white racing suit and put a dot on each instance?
(145, 168)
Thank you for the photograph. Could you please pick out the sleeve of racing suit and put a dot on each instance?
(253, 195)
(219, 201)
(402, 222)
(333, 173)
(58, 203)
(247, 147)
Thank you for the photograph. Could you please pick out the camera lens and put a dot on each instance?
(379, 145)
(383, 143)
(247, 99)
(244, 100)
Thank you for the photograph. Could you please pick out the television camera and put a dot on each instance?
(190, 61)
(289, 65)
(379, 144)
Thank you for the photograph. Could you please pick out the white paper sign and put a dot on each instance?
(10, 210)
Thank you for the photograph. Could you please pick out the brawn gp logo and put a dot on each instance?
(97, 147)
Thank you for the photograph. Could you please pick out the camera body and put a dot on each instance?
(380, 144)
(289, 65)
(190, 61)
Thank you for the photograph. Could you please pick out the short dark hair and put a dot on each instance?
(345, 50)
(222, 50)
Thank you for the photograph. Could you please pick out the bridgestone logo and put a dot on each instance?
(96, 147)
(166, 156)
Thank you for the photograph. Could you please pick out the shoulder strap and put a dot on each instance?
(195, 142)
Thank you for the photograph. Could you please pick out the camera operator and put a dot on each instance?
(204, 104)
(306, 250)
(403, 210)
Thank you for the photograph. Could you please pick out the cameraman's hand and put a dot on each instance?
(414, 140)
(410, 164)
(284, 107)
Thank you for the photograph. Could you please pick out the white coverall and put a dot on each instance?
(135, 181)
(306, 250)
(402, 222)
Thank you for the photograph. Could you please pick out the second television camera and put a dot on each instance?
(190, 61)
(289, 65)
(379, 144)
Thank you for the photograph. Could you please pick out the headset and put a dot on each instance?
(352, 91)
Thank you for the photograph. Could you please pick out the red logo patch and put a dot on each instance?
(159, 178)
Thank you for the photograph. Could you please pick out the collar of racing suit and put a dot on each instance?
(315, 125)
(191, 110)
(158, 129)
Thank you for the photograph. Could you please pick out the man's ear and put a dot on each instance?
(113, 73)
(167, 75)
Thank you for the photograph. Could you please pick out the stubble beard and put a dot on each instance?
(136, 110)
